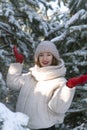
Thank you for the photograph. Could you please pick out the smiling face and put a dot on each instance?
(45, 59)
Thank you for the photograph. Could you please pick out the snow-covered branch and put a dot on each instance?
(60, 38)
(78, 28)
(53, 30)
(12, 120)
(75, 18)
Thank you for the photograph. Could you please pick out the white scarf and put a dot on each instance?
(49, 72)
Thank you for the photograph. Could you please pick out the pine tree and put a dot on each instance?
(25, 23)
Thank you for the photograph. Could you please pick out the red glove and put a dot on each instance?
(76, 81)
(19, 57)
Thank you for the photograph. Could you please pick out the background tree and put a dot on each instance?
(25, 23)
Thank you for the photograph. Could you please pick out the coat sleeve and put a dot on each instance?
(61, 99)
(15, 78)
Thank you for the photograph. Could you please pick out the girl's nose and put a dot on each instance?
(45, 57)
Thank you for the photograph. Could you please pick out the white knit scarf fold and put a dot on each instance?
(48, 72)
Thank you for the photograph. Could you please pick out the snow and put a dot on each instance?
(78, 28)
(61, 31)
(75, 17)
(85, 100)
(81, 127)
(12, 120)
(59, 38)
(2, 82)
(55, 7)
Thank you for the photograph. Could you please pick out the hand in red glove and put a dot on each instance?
(19, 57)
(72, 82)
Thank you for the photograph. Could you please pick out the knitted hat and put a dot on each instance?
(47, 46)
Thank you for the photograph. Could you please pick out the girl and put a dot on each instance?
(45, 95)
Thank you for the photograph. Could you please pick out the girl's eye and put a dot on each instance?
(40, 54)
(49, 54)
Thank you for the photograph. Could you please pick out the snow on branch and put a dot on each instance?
(81, 127)
(9, 13)
(77, 52)
(60, 38)
(5, 27)
(12, 120)
(45, 4)
(53, 30)
(32, 2)
(75, 17)
(76, 63)
(78, 28)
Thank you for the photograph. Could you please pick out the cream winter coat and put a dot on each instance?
(44, 96)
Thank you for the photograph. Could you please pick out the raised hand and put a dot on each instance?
(19, 57)
(73, 82)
